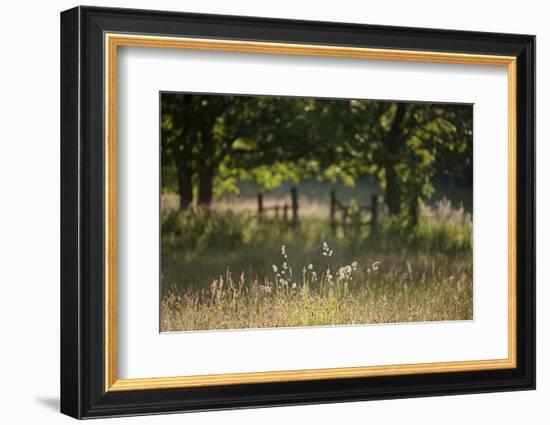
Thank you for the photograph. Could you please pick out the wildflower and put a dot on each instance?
(285, 266)
(354, 265)
(283, 250)
(310, 267)
(326, 249)
(344, 272)
(274, 268)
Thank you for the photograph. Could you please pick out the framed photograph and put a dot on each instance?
(261, 212)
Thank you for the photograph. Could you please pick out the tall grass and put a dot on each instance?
(224, 270)
(422, 291)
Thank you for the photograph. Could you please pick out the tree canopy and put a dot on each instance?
(211, 142)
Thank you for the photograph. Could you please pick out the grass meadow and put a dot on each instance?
(222, 268)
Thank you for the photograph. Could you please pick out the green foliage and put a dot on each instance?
(197, 230)
(428, 236)
(220, 140)
(442, 230)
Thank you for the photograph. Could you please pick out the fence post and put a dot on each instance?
(333, 210)
(276, 211)
(285, 213)
(374, 212)
(294, 196)
(260, 205)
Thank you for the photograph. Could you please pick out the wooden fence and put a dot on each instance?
(283, 208)
(347, 211)
(340, 213)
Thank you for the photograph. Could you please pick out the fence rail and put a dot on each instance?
(346, 211)
(340, 213)
(277, 208)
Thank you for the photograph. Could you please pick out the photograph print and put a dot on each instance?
(281, 212)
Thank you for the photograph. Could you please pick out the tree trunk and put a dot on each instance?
(206, 185)
(185, 173)
(413, 212)
(206, 163)
(185, 186)
(392, 197)
(394, 139)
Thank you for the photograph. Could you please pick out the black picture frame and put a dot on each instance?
(83, 392)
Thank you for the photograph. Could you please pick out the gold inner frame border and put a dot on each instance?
(111, 43)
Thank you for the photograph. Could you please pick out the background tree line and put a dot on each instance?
(211, 142)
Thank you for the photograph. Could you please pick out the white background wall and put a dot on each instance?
(29, 209)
